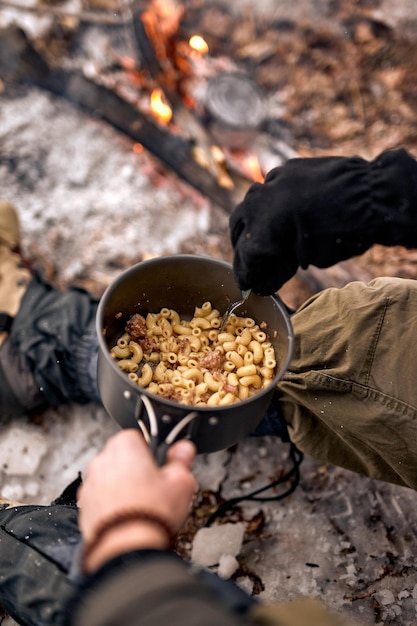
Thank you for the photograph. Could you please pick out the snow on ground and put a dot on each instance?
(90, 207)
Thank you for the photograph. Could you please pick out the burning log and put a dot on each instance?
(20, 62)
(159, 54)
(233, 110)
(155, 30)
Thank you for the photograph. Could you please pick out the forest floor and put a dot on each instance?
(342, 75)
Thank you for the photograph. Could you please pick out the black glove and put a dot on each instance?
(321, 211)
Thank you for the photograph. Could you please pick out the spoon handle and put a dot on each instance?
(233, 306)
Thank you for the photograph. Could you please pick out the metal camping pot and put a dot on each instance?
(183, 282)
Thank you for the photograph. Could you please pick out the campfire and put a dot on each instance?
(176, 94)
(221, 96)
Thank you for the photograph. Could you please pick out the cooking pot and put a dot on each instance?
(183, 282)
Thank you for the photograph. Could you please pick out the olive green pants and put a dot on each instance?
(350, 394)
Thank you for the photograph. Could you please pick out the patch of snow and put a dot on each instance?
(212, 543)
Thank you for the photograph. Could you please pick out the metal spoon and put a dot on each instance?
(233, 306)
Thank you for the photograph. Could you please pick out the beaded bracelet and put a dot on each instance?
(121, 518)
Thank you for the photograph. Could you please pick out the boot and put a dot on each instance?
(14, 280)
(14, 276)
(49, 346)
(5, 503)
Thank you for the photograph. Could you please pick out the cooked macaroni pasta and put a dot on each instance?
(193, 362)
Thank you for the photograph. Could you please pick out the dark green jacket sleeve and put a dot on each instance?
(148, 588)
(153, 591)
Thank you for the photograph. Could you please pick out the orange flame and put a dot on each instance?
(161, 21)
(197, 43)
(168, 13)
(137, 148)
(251, 165)
(160, 109)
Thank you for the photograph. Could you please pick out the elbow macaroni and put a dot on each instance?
(191, 362)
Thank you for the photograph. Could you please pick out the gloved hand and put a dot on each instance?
(321, 211)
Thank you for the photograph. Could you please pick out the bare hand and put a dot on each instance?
(124, 476)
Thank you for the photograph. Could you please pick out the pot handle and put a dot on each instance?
(151, 434)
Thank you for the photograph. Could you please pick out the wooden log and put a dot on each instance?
(19, 61)
(164, 72)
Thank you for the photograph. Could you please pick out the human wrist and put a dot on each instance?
(124, 532)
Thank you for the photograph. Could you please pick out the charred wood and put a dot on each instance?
(20, 62)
